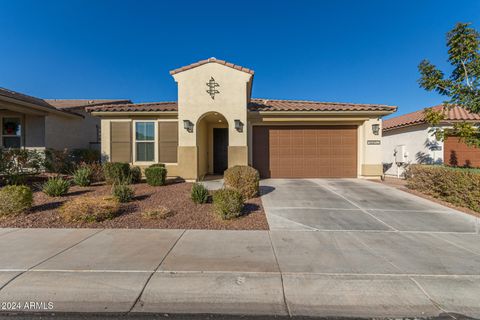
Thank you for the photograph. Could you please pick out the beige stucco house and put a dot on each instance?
(216, 124)
(33, 123)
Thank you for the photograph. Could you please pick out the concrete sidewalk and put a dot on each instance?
(284, 272)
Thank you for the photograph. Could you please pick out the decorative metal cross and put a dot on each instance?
(212, 88)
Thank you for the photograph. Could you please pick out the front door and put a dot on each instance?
(220, 150)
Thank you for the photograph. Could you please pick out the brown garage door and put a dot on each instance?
(305, 152)
(457, 153)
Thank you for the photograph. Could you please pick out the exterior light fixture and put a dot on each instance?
(188, 125)
(238, 125)
(376, 129)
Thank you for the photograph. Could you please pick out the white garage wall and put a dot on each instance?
(417, 140)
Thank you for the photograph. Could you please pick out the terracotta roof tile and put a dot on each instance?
(299, 105)
(453, 114)
(209, 60)
(254, 105)
(135, 107)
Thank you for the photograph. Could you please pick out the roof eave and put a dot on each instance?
(52, 110)
(329, 112)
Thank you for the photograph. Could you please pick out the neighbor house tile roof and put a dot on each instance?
(214, 60)
(418, 117)
(59, 105)
(81, 103)
(254, 105)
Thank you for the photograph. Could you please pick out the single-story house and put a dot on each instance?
(215, 124)
(409, 139)
(33, 123)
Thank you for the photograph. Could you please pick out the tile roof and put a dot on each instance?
(137, 107)
(254, 105)
(81, 103)
(202, 62)
(299, 105)
(453, 114)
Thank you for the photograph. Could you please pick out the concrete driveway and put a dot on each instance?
(355, 205)
(350, 242)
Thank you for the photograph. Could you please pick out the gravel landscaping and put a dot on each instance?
(401, 184)
(175, 196)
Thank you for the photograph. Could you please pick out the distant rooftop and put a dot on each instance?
(418, 117)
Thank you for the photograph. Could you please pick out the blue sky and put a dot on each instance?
(343, 51)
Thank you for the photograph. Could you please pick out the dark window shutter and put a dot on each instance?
(121, 141)
(167, 141)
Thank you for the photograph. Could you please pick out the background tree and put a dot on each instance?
(462, 87)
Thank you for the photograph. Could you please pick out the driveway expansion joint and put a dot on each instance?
(287, 309)
(138, 299)
(435, 303)
(359, 207)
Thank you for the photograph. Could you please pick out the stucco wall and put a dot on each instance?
(72, 133)
(371, 154)
(34, 131)
(194, 101)
(417, 140)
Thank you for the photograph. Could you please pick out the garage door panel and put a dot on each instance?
(305, 151)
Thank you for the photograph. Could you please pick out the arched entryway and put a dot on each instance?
(212, 143)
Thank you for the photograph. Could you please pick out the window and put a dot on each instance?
(11, 132)
(145, 141)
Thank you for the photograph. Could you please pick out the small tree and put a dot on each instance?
(462, 87)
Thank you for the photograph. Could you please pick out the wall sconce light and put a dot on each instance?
(376, 129)
(188, 125)
(239, 125)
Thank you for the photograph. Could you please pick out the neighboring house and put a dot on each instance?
(409, 139)
(216, 124)
(33, 123)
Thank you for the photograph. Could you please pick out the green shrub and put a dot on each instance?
(85, 155)
(199, 193)
(66, 160)
(15, 200)
(245, 179)
(97, 171)
(136, 174)
(455, 185)
(56, 187)
(155, 165)
(58, 161)
(83, 176)
(90, 209)
(228, 203)
(122, 192)
(116, 172)
(156, 175)
(17, 164)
